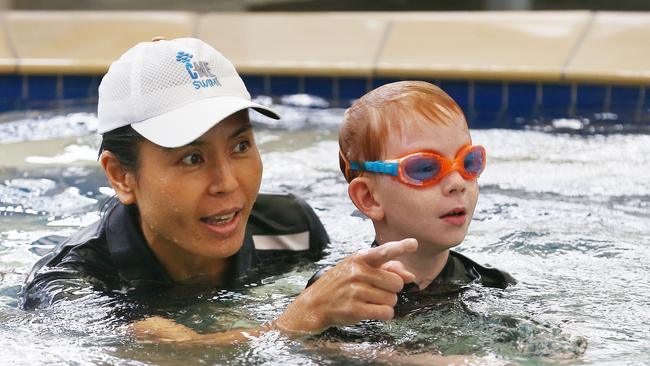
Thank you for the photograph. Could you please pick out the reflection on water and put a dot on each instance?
(565, 213)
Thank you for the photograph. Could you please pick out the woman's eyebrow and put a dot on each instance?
(241, 130)
(200, 142)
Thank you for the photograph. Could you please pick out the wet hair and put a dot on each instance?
(124, 143)
(388, 109)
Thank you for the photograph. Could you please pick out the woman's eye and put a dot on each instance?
(241, 147)
(192, 159)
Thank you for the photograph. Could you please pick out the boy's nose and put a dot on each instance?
(453, 183)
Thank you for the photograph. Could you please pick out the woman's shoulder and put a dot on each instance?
(285, 222)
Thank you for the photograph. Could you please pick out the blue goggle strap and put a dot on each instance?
(376, 167)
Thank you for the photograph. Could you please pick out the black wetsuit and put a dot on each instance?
(441, 296)
(458, 273)
(112, 257)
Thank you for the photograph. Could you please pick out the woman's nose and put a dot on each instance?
(222, 179)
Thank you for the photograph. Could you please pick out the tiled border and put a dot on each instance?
(486, 103)
(340, 56)
(576, 46)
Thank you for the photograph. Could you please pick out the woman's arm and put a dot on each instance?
(359, 287)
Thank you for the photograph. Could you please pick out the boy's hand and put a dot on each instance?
(398, 268)
(158, 329)
(362, 286)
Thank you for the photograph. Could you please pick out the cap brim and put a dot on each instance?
(185, 124)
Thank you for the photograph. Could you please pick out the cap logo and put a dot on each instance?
(199, 71)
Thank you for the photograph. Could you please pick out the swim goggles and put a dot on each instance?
(425, 168)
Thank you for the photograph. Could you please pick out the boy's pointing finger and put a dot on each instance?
(376, 257)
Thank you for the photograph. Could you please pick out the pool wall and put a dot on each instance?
(498, 65)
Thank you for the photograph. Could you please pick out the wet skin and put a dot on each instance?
(194, 200)
(421, 213)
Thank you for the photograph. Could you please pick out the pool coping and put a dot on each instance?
(357, 44)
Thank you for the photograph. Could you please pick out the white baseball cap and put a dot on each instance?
(172, 91)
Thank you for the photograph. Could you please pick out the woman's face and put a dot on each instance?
(198, 197)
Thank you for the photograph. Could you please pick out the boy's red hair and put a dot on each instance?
(367, 123)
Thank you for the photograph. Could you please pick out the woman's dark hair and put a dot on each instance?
(123, 142)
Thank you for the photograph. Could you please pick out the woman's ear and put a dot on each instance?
(120, 178)
(361, 191)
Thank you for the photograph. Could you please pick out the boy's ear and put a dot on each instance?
(361, 191)
(121, 179)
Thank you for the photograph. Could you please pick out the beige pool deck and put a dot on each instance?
(574, 47)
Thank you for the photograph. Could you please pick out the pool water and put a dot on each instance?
(562, 208)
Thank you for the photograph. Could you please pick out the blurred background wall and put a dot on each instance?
(325, 5)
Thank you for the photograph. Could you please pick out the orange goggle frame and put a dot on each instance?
(425, 168)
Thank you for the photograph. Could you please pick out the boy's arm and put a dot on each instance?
(355, 289)
(164, 330)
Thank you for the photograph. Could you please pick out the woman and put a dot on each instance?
(178, 150)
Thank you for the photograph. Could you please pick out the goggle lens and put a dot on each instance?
(421, 168)
(473, 162)
(425, 168)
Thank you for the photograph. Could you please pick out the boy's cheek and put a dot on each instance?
(473, 199)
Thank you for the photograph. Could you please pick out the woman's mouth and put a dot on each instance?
(219, 219)
(455, 217)
(222, 223)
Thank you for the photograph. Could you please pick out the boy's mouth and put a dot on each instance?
(458, 211)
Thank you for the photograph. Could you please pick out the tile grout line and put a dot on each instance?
(578, 44)
(24, 95)
(380, 50)
(10, 41)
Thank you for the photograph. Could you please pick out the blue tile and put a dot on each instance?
(7, 104)
(488, 96)
(11, 86)
(77, 87)
(485, 119)
(41, 87)
(556, 100)
(94, 88)
(625, 97)
(645, 108)
(590, 99)
(254, 84)
(320, 86)
(383, 81)
(284, 85)
(459, 91)
(624, 103)
(522, 99)
(352, 88)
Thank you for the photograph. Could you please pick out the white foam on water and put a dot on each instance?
(41, 196)
(46, 128)
(566, 214)
(71, 154)
(77, 221)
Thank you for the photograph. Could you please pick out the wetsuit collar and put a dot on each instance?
(136, 263)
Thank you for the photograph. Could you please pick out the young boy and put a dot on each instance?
(406, 151)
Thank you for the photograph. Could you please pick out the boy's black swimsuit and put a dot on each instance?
(440, 295)
(112, 257)
(459, 271)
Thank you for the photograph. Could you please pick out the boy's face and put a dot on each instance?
(423, 213)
